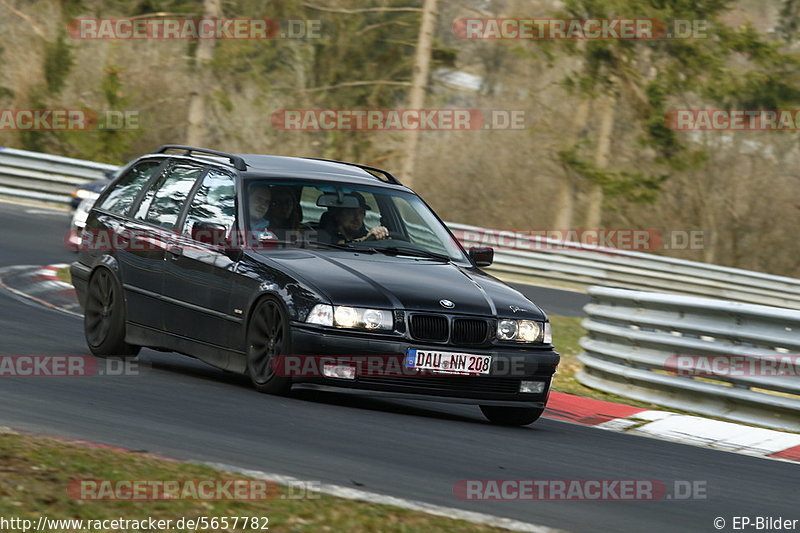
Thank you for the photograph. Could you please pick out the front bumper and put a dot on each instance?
(501, 386)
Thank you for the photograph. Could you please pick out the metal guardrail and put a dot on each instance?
(51, 178)
(546, 259)
(727, 359)
(45, 177)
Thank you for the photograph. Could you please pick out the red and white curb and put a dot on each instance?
(50, 272)
(686, 429)
(41, 284)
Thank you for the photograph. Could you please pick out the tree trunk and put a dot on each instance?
(419, 83)
(565, 197)
(594, 211)
(196, 128)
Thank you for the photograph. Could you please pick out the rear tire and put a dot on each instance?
(104, 317)
(511, 416)
(268, 336)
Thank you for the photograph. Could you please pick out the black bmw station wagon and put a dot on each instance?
(306, 273)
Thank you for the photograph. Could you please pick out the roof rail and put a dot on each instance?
(237, 161)
(388, 175)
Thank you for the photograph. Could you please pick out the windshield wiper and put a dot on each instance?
(348, 247)
(414, 252)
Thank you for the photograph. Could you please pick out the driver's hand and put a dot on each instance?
(379, 232)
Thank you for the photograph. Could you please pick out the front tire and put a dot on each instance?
(511, 416)
(268, 337)
(104, 317)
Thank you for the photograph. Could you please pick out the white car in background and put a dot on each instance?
(78, 222)
(81, 201)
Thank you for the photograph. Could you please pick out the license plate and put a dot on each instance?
(448, 362)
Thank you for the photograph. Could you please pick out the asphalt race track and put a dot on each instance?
(416, 450)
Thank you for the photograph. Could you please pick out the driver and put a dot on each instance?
(349, 223)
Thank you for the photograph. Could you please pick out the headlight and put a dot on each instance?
(521, 330)
(528, 331)
(507, 330)
(350, 317)
(374, 319)
(84, 193)
(547, 336)
(345, 317)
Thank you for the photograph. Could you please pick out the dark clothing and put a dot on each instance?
(340, 238)
(328, 232)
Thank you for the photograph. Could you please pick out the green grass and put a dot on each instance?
(64, 275)
(36, 471)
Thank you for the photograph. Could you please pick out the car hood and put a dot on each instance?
(380, 281)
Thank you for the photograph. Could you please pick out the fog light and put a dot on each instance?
(332, 370)
(532, 387)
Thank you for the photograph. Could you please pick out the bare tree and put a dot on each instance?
(196, 118)
(419, 83)
(607, 106)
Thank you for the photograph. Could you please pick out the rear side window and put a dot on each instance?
(121, 197)
(162, 204)
(214, 202)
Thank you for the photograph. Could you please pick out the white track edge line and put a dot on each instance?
(372, 497)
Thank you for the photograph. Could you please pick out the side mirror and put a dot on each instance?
(482, 257)
(210, 233)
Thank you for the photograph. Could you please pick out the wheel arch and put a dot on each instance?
(110, 263)
(262, 295)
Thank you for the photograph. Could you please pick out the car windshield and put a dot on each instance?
(347, 216)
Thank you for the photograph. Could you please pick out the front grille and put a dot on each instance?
(452, 384)
(431, 328)
(469, 331)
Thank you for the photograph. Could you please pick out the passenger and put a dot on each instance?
(284, 213)
(348, 223)
(259, 202)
